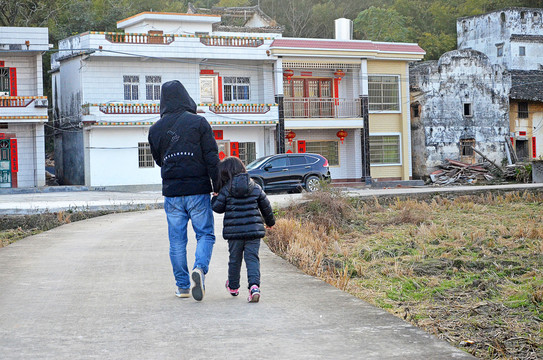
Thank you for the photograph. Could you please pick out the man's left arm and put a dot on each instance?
(210, 152)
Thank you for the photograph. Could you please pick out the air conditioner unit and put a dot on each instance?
(41, 103)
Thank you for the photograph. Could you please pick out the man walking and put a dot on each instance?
(183, 145)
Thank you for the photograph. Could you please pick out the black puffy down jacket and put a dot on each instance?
(242, 202)
(183, 145)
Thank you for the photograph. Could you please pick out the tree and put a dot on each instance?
(379, 24)
(436, 45)
(26, 12)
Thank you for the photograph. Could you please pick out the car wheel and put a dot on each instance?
(312, 183)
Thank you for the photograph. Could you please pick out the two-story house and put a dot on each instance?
(349, 101)
(260, 92)
(23, 108)
(513, 38)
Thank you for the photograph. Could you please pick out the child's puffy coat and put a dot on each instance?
(242, 202)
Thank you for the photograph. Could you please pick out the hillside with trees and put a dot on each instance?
(430, 23)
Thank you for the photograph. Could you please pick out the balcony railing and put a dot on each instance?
(322, 108)
(154, 108)
(240, 108)
(139, 38)
(128, 108)
(22, 101)
(231, 41)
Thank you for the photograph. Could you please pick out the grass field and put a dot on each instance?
(468, 269)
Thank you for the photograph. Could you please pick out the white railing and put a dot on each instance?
(21, 101)
(231, 41)
(139, 38)
(239, 108)
(322, 108)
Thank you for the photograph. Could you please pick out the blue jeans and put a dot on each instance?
(179, 210)
(247, 250)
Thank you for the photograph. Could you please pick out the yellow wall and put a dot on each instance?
(393, 122)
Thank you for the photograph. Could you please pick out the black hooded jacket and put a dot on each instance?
(242, 201)
(183, 145)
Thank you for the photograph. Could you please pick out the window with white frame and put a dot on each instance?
(131, 87)
(145, 157)
(385, 149)
(384, 93)
(247, 152)
(152, 87)
(236, 88)
(522, 51)
(327, 148)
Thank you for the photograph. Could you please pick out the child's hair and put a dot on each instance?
(228, 168)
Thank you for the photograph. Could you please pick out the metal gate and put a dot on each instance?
(5, 164)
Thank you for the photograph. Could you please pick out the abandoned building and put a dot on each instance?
(458, 103)
(488, 90)
(513, 38)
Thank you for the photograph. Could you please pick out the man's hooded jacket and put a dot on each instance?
(183, 145)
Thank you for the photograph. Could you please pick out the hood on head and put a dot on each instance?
(241, 185)
(174, 98)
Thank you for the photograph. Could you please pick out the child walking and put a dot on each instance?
(244, 204)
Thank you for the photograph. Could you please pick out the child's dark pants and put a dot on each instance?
(239, 250)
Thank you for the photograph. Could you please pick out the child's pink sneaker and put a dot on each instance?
(233, 292)
(254, 294)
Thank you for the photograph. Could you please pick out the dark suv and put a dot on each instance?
(290, 171)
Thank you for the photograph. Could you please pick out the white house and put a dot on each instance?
(23, 108)
(254, 89)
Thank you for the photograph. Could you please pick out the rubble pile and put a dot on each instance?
(518, 172)
(457, 172)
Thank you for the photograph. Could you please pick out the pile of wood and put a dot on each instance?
(457, 172)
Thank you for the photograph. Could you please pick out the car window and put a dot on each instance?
(311, 159)
(297, 160)
(256, 163)
(279, 162)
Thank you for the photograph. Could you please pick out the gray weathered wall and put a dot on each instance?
(442, 87)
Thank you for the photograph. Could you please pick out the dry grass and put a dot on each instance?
(468, 269)
(16, 227)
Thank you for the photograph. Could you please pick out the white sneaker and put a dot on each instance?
(198, 290)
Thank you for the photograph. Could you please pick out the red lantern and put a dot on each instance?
(288, 74)
(339, 74)
(342, 134)
(290, 136)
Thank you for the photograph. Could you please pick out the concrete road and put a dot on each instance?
(13, 203)
(103, 289)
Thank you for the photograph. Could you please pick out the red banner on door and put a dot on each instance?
(13, 81)
(534, 151)
(2, 136)
(234, 149)
(13, 153)
(301, 146)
